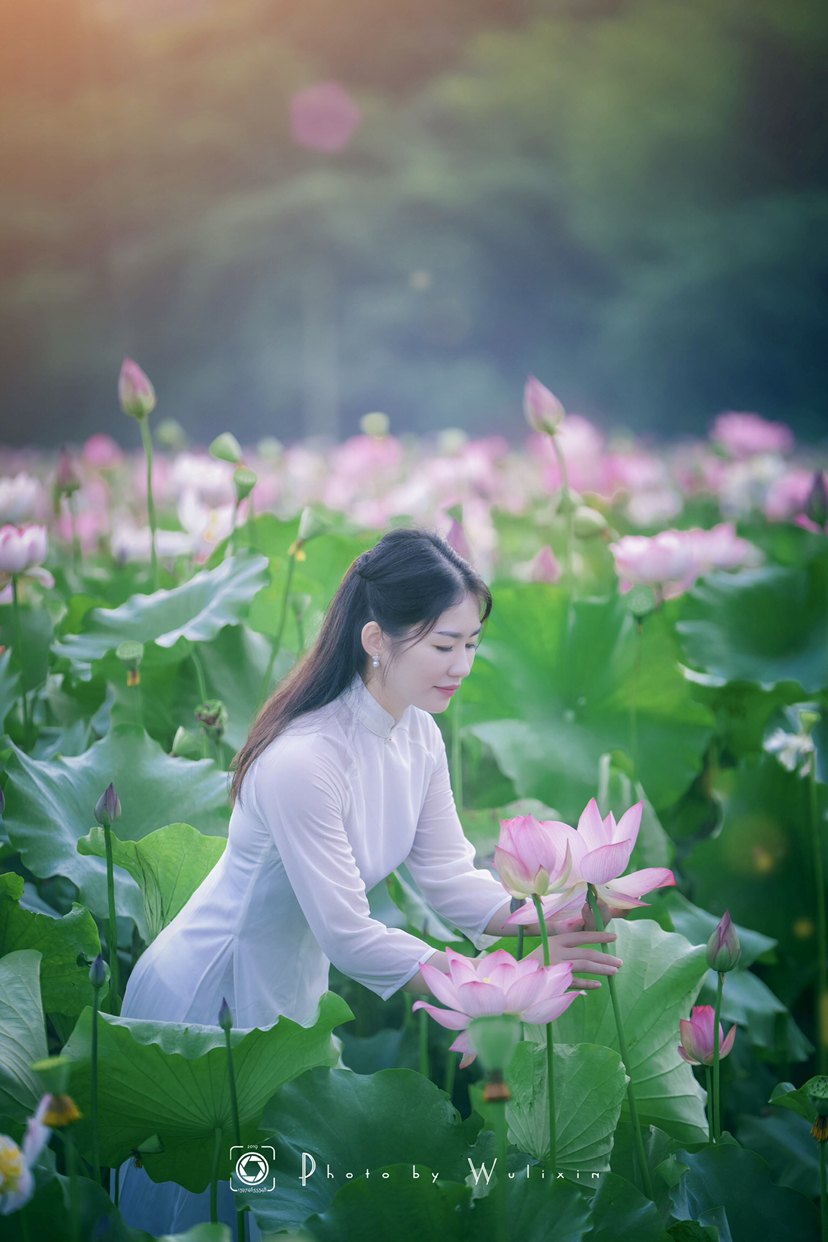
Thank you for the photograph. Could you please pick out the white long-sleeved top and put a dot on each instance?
(342, 797)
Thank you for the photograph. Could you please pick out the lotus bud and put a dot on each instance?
(456, 539)
(312, 523)
(108, 807)
(494, 1038)
(212, 716)
(375, 425)
(225, 1018)
(171, 435)
(808, 719)
(66, 481)
(568, 501)
(545, 566)
(816, 506)
(97, 972)
(723, 948)
(185, 745)
(541, 407)
(244, 481)
(816, 1090)
(131, 653)
(53, 1073)
(135, 392)
(588, 522)
(226, 448)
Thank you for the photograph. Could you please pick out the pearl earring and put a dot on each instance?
(375, 661)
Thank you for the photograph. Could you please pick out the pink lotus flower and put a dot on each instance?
(492, 984)
(101, 451)
(456, 538)
(746, 435)
(545, 566)
(323, 117)
(530, 859)
(720, 548)
(21, 554)
(17, 1183)
(599, 851)
(698, 1034)
(542, 408)
(135, 392)
(18, 497)
(667, 560)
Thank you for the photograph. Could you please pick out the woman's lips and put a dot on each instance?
(447, 690)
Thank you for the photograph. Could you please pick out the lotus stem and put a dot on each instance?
(451, 1070)
(567, 557)
(709, 1086)
(501, 1130)
(241, 1226)
(520, 935)
(625, 1056)
(550, 1049)
(717, 1109)
(823, 1193)
(277, 641)
(93, 1102)
(822, 940)
(639, 636)
(147, 439)
(214, 1177)
(232, 540)
(112, 934)
(456, 753)
(18, 638)
(72, 1174)
(424, 1068)
(202, 691)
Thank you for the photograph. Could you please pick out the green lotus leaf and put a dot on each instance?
(550, 698)
(195, 611)
(68, 946)
(50, 806)
(167, 865)
(22, 1033)
(168, 1079)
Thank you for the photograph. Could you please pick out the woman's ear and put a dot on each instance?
(371, 638)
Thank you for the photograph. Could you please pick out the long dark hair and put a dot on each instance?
(404, 584)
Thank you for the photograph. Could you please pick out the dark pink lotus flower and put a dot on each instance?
(747, 435)
(492, 984)
(323, 116)
(600, 852)
(698, 1034)
(530, 858)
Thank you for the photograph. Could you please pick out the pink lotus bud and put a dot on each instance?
(66, 481)
(22, 549)
(323, 117)
(135, 392)
(101, 451)
(697, 1037)
(545, 567)
(456, 538)
(723, 948)
(542, 408)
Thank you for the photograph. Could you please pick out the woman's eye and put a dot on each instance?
(444, 648)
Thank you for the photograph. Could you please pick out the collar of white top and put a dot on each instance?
(368, 711)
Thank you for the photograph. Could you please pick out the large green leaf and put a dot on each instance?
(590, 1085)
(171, 1080)
(656, 987)
(349, 1123)
(761, 625)
(22, 1033)
(68, 946)
(785, 1141)
(195, 611)
(621, 1213)
(550, 697)
(9, 686)
(50, 805)
(167, 865)
(738, 1181)
(38, 631)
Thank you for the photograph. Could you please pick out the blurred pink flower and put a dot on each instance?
(745, 435)
(17, 1183)
(22, 553)
(101, 451)
(492, 984)
(720, 548)
(135, 392)
(545, 566)
(698, 1035)
(666, 560)
(18, 498)
(456, 538)
(323, 116)
(541, 407)
(600, 852)
(787, 494)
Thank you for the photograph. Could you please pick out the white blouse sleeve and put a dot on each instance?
(300, 795)
(442, 860)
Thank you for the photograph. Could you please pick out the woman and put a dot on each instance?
(342, 779)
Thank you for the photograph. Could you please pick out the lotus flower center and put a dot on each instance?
(486, 980)
(11, 1165)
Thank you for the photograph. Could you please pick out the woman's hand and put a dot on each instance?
(570, 947)
(606, 914)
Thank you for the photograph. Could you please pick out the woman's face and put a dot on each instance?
(426, 673)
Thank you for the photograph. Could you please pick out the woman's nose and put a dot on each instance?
(461, 663)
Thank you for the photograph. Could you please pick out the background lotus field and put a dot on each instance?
(690, 673)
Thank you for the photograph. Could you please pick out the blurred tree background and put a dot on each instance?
(627, 197)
